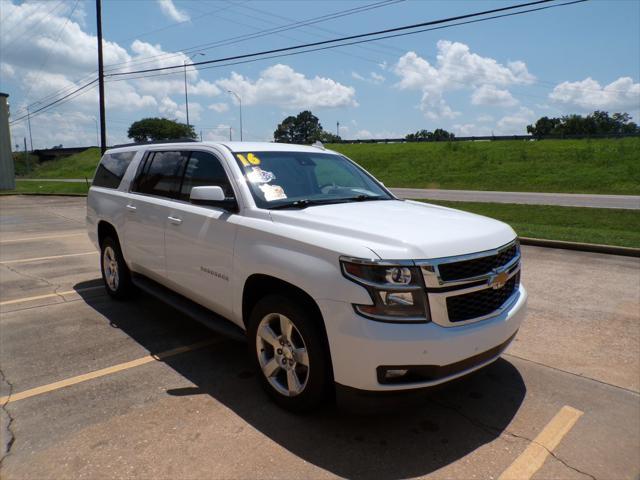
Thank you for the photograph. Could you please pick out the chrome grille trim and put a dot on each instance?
(438, 299)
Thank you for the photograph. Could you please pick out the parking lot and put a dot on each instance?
(93, 388)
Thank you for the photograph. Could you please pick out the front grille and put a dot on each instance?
(480, 303)
(476, 266)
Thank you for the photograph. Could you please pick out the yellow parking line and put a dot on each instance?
(105, 371)
(42, 237)
(49, 295)
(37, 259)
(534, 456)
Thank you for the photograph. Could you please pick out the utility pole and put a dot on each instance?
(103, 127)
(29, 122)
(230, 130)
(26, 155)
(338, 129)
(240, 103)
(200, 135)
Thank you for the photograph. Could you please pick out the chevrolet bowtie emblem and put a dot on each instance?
(498, 280)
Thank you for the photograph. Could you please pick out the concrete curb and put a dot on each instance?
(581, 247)
(534, 242)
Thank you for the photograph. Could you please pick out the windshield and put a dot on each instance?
(301, 179)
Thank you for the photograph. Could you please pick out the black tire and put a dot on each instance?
(307, 329)
(121, 288)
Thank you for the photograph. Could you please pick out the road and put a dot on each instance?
(85, 399)
(631, 202)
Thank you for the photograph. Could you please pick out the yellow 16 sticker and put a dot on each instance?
(249, 160)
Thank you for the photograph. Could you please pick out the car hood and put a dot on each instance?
(396, 229)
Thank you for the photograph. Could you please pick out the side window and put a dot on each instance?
(161, 174)
(204, 169)
(111, 169)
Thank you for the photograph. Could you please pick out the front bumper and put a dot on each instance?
(359, 346)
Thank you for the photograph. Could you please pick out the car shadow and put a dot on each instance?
(401, 442)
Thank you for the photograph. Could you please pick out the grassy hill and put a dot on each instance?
(80, 165)
(572, 166)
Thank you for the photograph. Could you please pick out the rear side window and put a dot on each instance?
(161, 174)
(204, 169)
(112, 168)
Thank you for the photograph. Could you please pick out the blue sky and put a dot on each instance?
(495, 76)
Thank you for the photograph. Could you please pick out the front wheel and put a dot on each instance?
(286, 344)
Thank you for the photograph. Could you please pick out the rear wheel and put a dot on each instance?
(286, 345)
(115, 274)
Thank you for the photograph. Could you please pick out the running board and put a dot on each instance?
(197, 312)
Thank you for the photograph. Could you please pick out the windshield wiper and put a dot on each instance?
(305, 202)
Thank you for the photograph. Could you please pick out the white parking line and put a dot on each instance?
(37, 259)
(43, 237)
(49, 295)
(32, 392)
(534, 456)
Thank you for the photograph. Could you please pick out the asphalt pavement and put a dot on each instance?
(631, 202)
(628, 202)
(94, 388)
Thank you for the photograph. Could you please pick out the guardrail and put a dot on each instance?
(491, 138)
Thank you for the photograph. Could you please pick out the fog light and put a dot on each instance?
(398, 275)
(395, 373)
(397, 298)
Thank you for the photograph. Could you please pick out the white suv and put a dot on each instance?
(338, 285)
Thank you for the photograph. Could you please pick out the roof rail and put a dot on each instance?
(154, 142)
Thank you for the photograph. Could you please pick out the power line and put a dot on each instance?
(270, 31)
(327, 47)
(56, 102)
(45, 60)
(342, 39)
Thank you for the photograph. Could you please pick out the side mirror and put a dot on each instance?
(214, 197)
(206, 194)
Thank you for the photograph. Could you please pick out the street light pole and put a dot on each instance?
(29, 122)
(97, 135)
(186, 95)
(240, 103)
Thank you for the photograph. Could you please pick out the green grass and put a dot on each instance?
(48, 187)
(605, 166)
(574, 224)
(80, 165)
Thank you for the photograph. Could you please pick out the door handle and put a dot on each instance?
(175, 221)
(131, 208)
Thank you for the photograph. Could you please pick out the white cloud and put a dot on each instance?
(373, 77)
(456, 68)
(219, 107)
(171, 11)
(515, 123)
(493, 96)
(366, 135)
(376, 77)
(484, 118)
(280, 85)
(218, 133)
(175, 111)
(588, 94)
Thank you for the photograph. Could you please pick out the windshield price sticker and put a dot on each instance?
(257, 175)
(249, 159)
(272, 192)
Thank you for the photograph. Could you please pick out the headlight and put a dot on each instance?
(396, 289)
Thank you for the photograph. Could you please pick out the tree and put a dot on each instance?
(437, 135)
(303, 128)
(544, 126)
(596, 123)
(153, 129)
